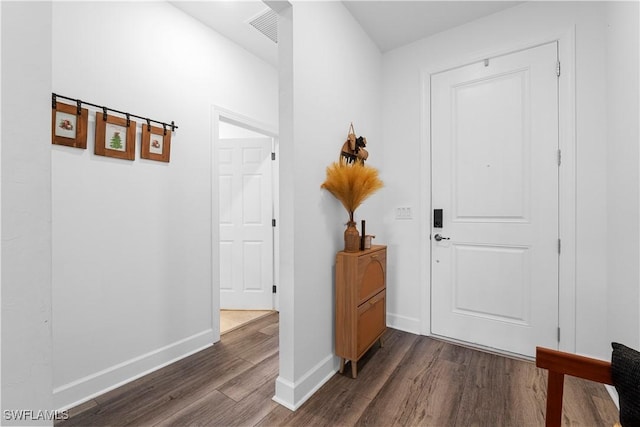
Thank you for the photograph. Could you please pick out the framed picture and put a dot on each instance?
(114, 138)
(156, 143)
(68, 127)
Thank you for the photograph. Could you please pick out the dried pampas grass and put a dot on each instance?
(351, 183)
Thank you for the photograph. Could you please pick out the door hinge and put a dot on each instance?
(558, 333)
(559, 157)
(273, 222)
(559, 246)
(558, 68)
(273, 156)
(274, 289)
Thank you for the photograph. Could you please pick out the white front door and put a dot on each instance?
(246, 233)
(495, 177)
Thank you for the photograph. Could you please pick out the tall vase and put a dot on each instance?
(351, 238)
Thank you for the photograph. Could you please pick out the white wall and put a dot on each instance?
(26, 211)
(623, 180)
(134, 249)
(529, 22)
(330, 76)
(1, 216)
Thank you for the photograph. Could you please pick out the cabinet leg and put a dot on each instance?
(381, 342)
(354, 369)
(341, 365)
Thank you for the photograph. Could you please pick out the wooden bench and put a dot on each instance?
(559, 364)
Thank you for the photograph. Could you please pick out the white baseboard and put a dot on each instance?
(614, 394)
(403, 323)
(74, 393)
(285, 392)
(293, 395)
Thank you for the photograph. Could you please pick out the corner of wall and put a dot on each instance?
(285, 387)
(26, 212)
(316, 98)
(293, 395)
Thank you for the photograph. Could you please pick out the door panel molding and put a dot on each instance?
(247, 223)
(515, 261)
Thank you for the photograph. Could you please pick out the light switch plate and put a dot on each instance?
(405, 212)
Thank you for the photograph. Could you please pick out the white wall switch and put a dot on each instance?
(404, 212)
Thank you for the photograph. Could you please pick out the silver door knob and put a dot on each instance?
(439, 237)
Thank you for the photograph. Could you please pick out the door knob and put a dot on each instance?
(438, 237)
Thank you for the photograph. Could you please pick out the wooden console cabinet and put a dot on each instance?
(361, 312)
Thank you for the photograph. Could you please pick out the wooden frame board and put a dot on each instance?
(156, 143)
(68, 127)
(114, 138)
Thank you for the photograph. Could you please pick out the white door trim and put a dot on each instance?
(219, 114)
(567, 177)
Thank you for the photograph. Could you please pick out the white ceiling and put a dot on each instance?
(389, 24)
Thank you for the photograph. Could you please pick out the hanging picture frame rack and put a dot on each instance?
(79, 103)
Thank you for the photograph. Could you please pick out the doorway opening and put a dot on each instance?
(245, 168)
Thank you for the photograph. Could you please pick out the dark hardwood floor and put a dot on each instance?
(411, 381)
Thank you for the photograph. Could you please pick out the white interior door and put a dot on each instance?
(495, 176)
(246, 233)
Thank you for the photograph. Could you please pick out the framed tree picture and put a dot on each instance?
(114, 138)
(156, 143)
(68, 127)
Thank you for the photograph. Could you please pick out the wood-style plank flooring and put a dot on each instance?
(411, 381)
(233, 319)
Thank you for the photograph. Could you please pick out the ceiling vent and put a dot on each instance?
(267, 23)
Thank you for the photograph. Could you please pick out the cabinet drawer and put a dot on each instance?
(371, 321)
(372, 268)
